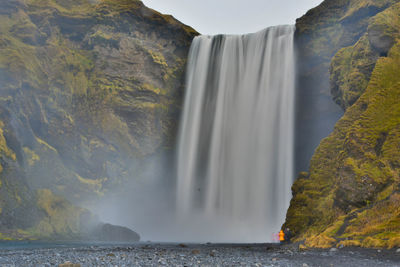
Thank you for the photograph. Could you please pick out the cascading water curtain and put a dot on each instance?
(235, 149)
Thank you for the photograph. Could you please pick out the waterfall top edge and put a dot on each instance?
(292, 26)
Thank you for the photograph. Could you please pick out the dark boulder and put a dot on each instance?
(112, 233)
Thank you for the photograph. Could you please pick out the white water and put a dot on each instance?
(235, 150)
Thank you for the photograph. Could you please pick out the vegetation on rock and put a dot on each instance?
(351, 194)
(89, 90)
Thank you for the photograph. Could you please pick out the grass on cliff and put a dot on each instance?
(362, 6)
(350, 71)
(362, 159)
(387, 22)
(73, 109)
(61, 217)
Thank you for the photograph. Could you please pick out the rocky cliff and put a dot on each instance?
(351, 194)
(89, 89)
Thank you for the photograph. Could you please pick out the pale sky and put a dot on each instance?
(233, 16)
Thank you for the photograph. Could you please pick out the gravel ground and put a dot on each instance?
(152, 254)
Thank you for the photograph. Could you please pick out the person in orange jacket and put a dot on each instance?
(281, 236)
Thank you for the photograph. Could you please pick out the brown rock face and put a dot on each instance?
(88, 91)
(350, 195)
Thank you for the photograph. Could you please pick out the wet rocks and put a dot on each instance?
(69, 264)
(173, 255)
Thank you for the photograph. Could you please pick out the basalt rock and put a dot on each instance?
(113, 233)
(88, 91)
(350, 196)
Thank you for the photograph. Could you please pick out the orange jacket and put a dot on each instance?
(281, 236)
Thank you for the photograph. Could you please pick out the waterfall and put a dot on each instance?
(235, 146)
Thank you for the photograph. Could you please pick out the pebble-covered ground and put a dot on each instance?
(151, 254)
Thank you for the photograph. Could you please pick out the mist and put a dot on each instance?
(146, 203)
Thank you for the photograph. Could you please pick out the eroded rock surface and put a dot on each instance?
(350, 196)
(88, 91)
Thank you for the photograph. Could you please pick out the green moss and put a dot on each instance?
(320, 241)
(158, 58)
(362, 6)
(106, 38)
(71, 8)
(6, 237)
(85, 96)
(19, 61)
(152, 88)
(356, 167)
(32, 157)
(120, 5)
(381, 221)
(394, 242)
(349, 243)
(332, 230)
(46, 145)
(350, 71)
(383, 28)
(62, 218)
(359, 158)
(94, 185)
(4, 149)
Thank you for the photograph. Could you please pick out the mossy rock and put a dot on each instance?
(351, 192)
(350, 71)
(384, 29)
(90, 90)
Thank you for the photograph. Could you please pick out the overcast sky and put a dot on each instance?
(233, 16)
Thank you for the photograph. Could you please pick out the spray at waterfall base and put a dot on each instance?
(235, 151)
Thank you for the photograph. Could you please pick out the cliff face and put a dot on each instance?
(320, 34)
(351, 194)
(88, 90)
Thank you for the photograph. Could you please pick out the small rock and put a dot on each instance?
(182, 245)
(274, 259)
(302, 247)
(195, 251)
(69, 264)
(110, 255)
(305, 265)
(398, 250)
(333, 250)
(162, 261)
(379, 251)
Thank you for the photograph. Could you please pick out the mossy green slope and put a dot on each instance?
(351, 194)
(352, 66)
(88, 91)
(320, 34)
